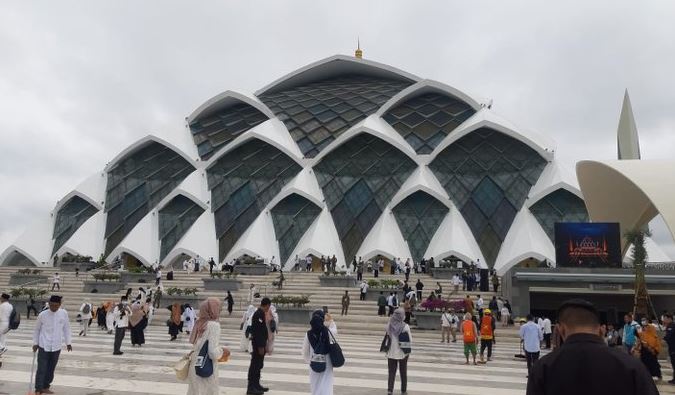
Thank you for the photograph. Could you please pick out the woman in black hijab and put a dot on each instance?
(315, 353)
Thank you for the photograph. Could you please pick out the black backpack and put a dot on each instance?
(14, 319)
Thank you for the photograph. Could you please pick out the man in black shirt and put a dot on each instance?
(258, 343)
(670, 340)
(584, 365)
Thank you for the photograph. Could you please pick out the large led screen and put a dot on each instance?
(586, 244)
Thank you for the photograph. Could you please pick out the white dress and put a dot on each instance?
(189, 323)
(206, 385)
(320, 383)
(245, 343)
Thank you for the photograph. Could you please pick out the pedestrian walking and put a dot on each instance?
(345, 303)
(583, 364)
(230, 302)
(138, 321)
(399, 350)
(31, 307)
(419, 286)
(487, 334)
(5, 313)
(206, 333)
(121, 315)
(669, 338)
(649, 347)
(85, 315)
(449, 326)
(56, 282)
(364, 290)
(52, 331)
(381, 304)
(315, 353)
(258, 338)
(548, 332)
(188, 317)
(531, 336)
(470, 337)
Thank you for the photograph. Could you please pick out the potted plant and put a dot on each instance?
(27, 276)
(338, 279)
(104, 282)
(293, 309)
(181, 296)
(221, 281)
(20, 298)
(386, 287)
(137, 274)
(70, 262)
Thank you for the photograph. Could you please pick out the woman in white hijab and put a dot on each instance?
(245, 343)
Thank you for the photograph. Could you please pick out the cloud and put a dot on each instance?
(81, 81)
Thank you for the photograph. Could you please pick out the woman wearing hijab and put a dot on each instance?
(174, 322)
(245, 343)
(188, 318)
(206, 328)
(272, 323)
(316, 343)
(395, 356)
(650, 346)
(109, 316)
(137, 323)
(230, 302)
(100, 316)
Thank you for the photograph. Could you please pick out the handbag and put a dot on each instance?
(182, 366)
(337, 358)
(386, 343)
(203, 363)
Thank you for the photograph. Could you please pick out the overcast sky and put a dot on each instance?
(80, 81)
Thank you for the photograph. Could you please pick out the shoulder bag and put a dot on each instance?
(182, 366)
(386, 343)
(337, 358)
(203, 363)
(317, 361)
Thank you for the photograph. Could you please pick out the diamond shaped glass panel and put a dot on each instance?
(75, 212)
(419, 216)
(558, 206)
(292, 216)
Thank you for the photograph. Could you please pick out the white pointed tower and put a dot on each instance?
(628, 144)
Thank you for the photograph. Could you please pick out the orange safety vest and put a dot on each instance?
(486, 328)
(467, 330)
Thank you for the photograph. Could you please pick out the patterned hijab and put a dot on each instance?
(209, 310)
(396, 324)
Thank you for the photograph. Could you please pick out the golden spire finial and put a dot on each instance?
(358, 53)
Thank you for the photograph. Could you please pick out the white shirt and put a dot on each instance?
(364, 288)
(121, 321)
(56, 279)
(5, 312)
(455, 280)
(479, 303)
(547, 326)
(52, 330)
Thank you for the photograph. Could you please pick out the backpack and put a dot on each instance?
(404, 342)
(14, 319)
(467, 330)
(486, 328)
(86, 309)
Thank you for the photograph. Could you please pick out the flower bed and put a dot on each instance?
(340, 281)
(256, 269)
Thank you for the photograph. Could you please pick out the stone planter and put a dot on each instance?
(444, 273)
(338, 281)
(71, 266)
(428, 319)
(257, 269)
(20, 279)
(374, 293)
(221, 284)
(294, 315)
(193, 300)
(102, 287)
(21, 304)
(128, 277)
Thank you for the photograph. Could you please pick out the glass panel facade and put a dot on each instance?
(215, 131)
(559, 206)
(488, 176)
(70, 217)
(242, 183)
(175, 219)
(136, 184)
(291, 217)
(358, 180)
(425, 120)
(317, 113)
(419, 216)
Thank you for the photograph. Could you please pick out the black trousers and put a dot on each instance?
(672, 361)
(257, 363)
(402, 365)
(419, 295)
(532, 357)
(57, 285)
(46, 364)
(362, 296)
(486, 344)
(119, 336)
(391, 310)
(376, 273)
(28, 310)
(229, 308)
(359, 276)
(547, 339)
(381, 310)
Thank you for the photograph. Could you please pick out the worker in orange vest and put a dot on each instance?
(470, 336)
(487, 334)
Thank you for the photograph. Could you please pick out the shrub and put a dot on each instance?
(28, 292)
(76, 258)
(106, 276)
(226, 275)
(181, 291)
(28, 271)
(294, 301)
